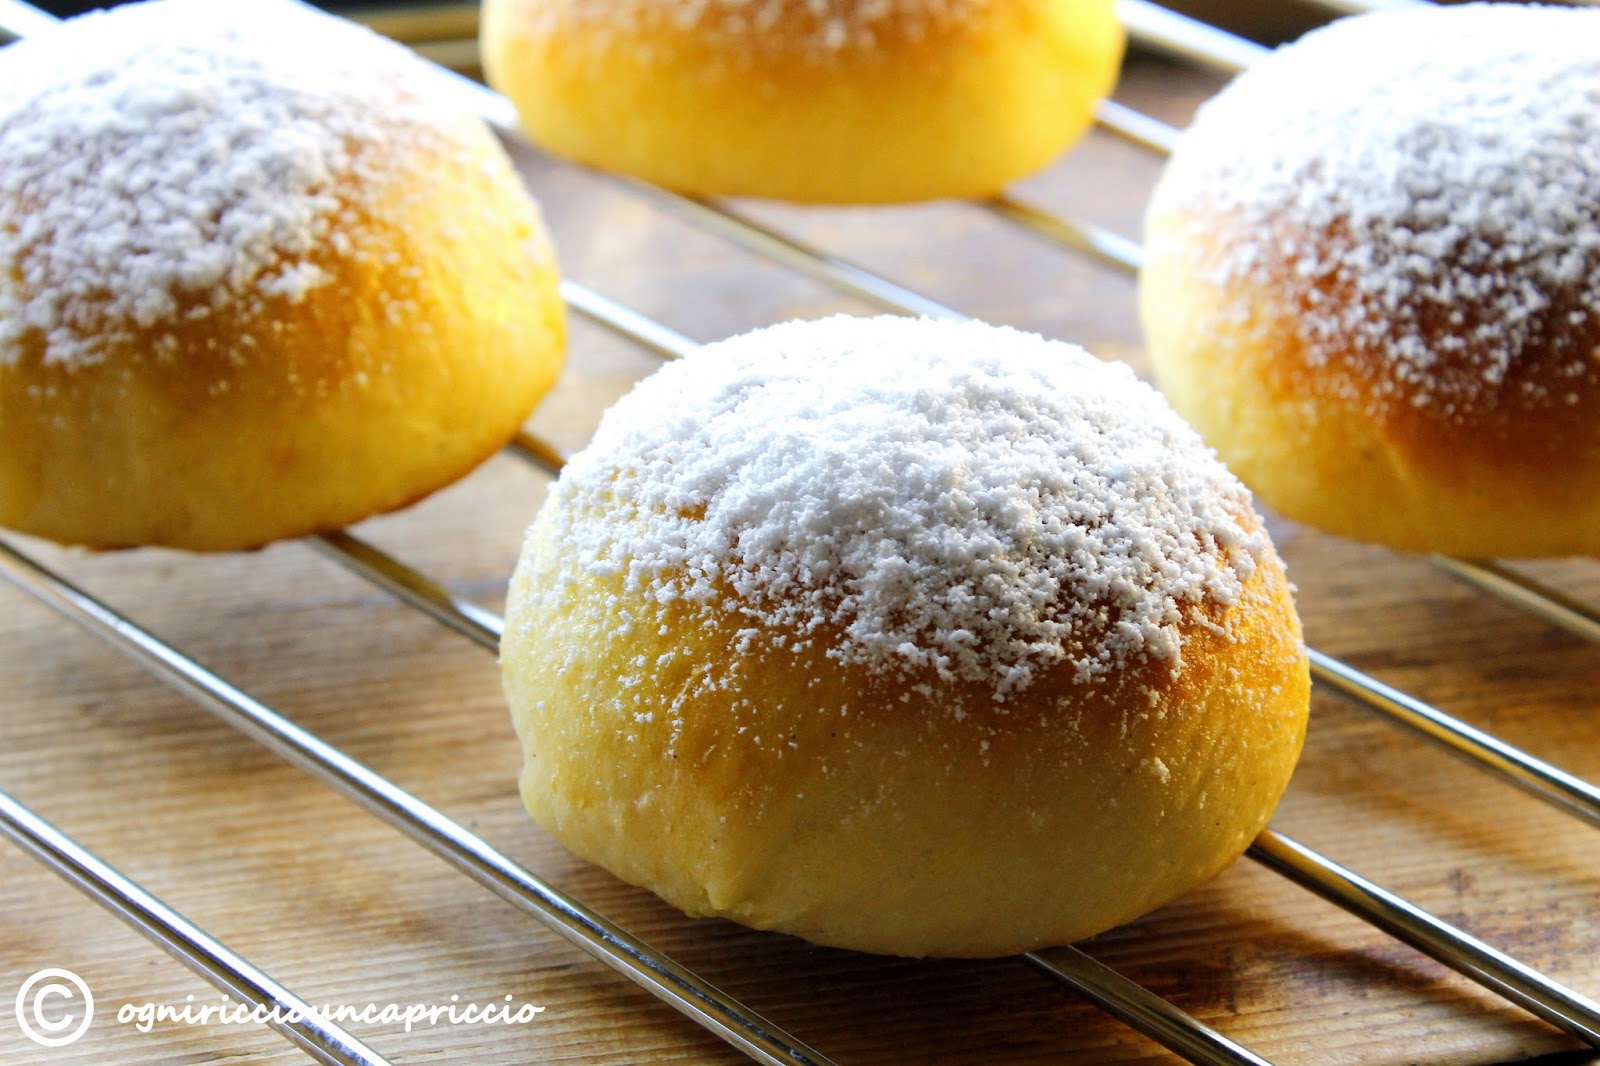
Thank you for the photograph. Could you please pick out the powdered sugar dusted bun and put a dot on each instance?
(1373, 279)
(905, 636)
(843, 101)
(259, 275)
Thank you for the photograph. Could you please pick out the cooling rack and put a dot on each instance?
(231, 837)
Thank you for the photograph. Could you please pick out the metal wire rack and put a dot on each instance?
(626, 953)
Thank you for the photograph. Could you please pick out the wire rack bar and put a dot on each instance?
(1164, 30)
(411, 587)
(468, 853)
(1472, 958)
(626, 322)
(1136, 127)
(1554, 786)
(287, 1014)
(1114, 251)
(1142, 1009)
(1097, 242)
(1365, 7)
(820, 266)
(1526, 987)
(537, 452)
(1550, 604)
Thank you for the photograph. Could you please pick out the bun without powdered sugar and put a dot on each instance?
(1373, 279)
(821, 101)
(915, 637)
(260, 275)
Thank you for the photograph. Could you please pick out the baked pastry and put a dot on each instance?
(1373, 279)
(260, 275)
(916, 637)
(823, 101)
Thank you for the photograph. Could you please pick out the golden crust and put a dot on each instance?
(844, 102)
(739, 773)
(1337, 439)
(439, 328)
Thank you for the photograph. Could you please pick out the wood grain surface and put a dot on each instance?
(345, 911)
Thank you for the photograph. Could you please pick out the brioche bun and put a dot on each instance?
(1372, 279)
(911, 637)
(259, 276)
(832, 102)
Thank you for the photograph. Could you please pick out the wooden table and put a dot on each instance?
(344, 911)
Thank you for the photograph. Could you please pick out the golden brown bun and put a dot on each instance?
(396, 331)
(742, 758)
(840, 102)
(1521, 478)
(1379, 298)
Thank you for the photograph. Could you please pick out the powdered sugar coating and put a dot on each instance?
(1426, 185)
(741, 31)
(924, 495)
(168, 159)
